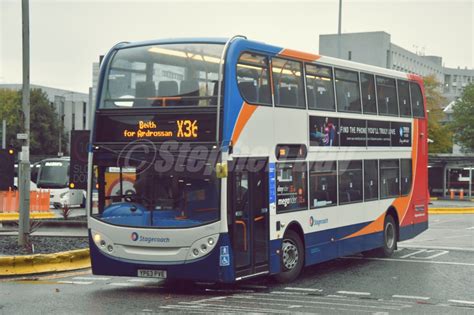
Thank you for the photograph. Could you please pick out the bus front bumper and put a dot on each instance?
(210, 268)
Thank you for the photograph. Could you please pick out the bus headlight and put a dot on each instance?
(102, 242)
(202, 247)
(97, 238)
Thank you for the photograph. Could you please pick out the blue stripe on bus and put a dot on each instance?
(319, 247)
(208, 269)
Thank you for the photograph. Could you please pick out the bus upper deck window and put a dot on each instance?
(288, 83)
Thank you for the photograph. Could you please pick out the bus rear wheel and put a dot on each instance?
(390, 237)
(292, 257)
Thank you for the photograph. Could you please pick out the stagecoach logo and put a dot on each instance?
(401, 132)
(147, 239)
(314, 222)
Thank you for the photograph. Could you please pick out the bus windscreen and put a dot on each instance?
(183, 195)
(163, 75)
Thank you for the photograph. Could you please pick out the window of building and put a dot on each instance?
(319, 87)
(253, 79)
(349, 55)
(369, 102)
(291, 186)
(323, 184)
(404, 98)
(417, 101)
(347, 91)
(389, 178)
(288, 83)
(406, 171)
(371, 180)
(350, 181)
(387, 96)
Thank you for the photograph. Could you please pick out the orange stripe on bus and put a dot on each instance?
(299, 55)
(375, 226)
(244, 116)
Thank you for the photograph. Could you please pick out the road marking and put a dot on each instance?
(233, 308)
(75, 282)
(251, 302)
(414, 253)
(471, 228)
(312, 301)
(122, 284)
(209, 299)
(414, 297)
(354, 293)
(91, 278)
(411, 261)
(462, 302)
(407, 246)
(144, 280)
(303, 289)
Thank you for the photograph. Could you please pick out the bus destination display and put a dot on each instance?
(156, 129)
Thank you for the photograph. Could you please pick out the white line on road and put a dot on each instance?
(303, 289)
(461, 302)
(318, 302)
(122, 284)
(144, 280)
(91, 278)
(354, 293)
(75, 282)
(411, 261)
(407, 246)
(471, 228)
(413, 297)
(414, 253)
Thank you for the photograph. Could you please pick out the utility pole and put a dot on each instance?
(339, 30)
(24, 163)
(4, 134)
(60, 101)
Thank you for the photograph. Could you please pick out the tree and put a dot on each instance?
(44, 121)
(440, 134)
(463, 119)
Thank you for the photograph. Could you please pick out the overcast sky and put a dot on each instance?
(68, 35)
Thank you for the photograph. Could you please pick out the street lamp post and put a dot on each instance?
(339, 30)
(24, 163)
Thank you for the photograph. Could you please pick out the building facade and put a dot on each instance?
(376, 48)
(72, 107)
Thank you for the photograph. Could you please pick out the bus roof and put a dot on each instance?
(319, 58)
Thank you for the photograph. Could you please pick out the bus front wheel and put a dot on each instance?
(292, 257)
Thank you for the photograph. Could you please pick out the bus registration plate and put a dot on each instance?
(147, 273)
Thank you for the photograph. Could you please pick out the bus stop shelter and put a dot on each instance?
(451, 175)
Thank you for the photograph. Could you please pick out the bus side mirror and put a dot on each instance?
(221, 170)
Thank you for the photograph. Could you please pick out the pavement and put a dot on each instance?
(70, 228)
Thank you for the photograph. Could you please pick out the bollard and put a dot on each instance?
(451, 193)
(461, 194)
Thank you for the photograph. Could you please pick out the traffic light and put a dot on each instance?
(7, 168)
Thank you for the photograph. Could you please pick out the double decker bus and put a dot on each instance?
(221, 160)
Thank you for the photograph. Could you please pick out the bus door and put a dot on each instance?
(248, 206)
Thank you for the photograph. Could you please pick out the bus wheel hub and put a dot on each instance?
(290, 254)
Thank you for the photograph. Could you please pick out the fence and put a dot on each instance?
(10, 201)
